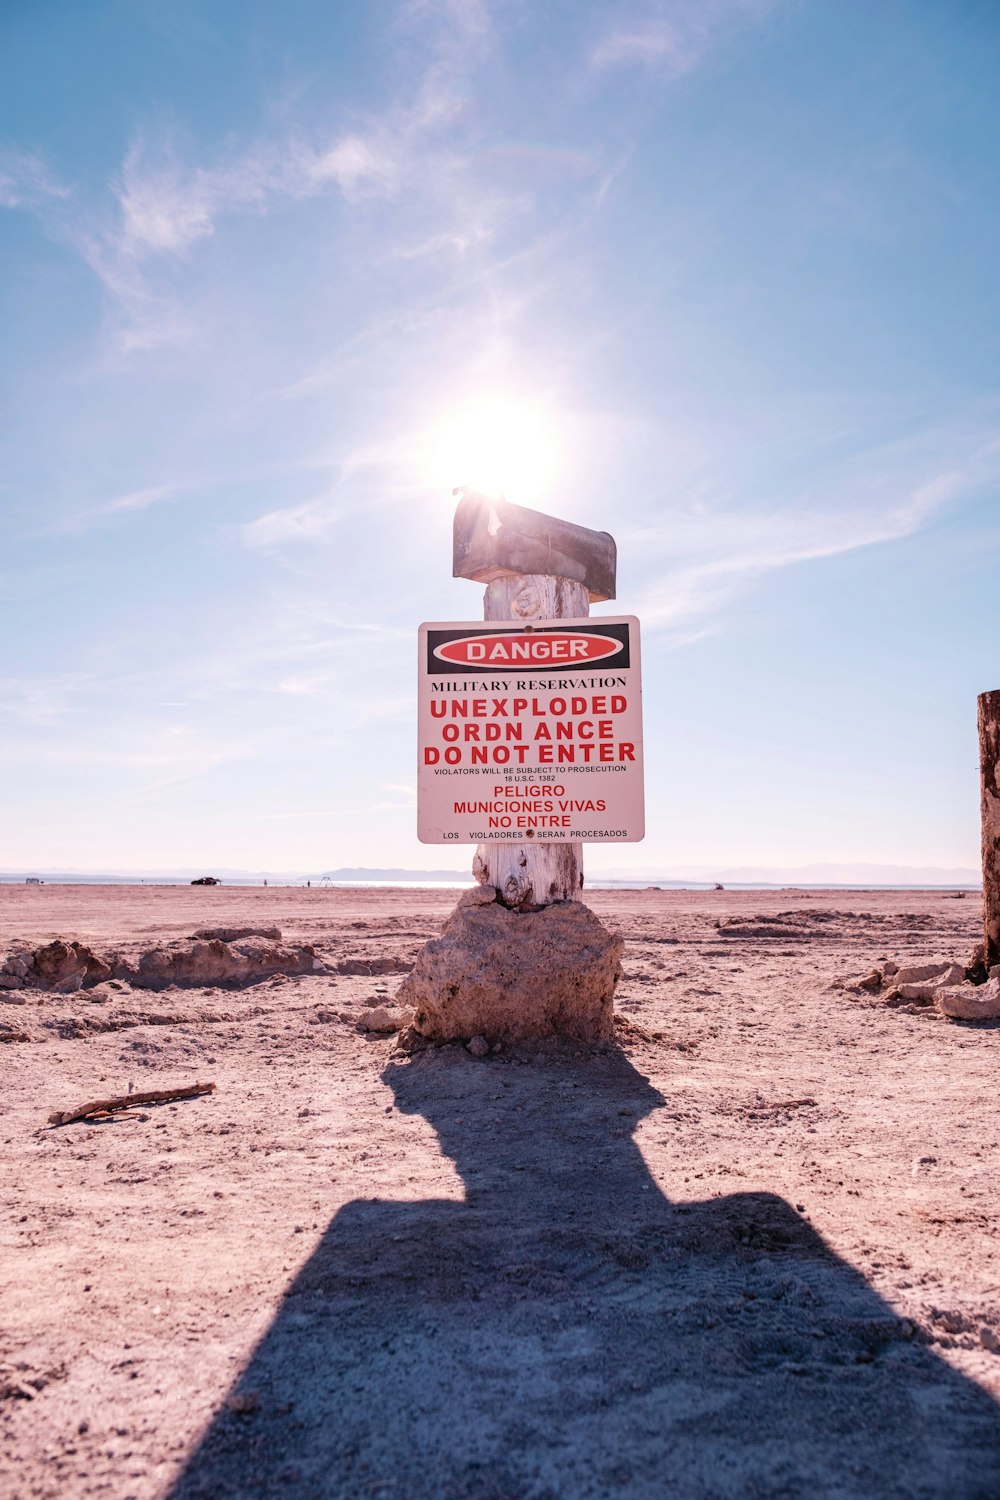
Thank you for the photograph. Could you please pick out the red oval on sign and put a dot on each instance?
(538, 649)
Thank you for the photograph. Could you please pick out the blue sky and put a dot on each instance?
(725, 274)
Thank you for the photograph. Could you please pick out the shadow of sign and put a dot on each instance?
(567, 1331)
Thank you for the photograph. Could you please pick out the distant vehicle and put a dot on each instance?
(34, 880)
(207, 880)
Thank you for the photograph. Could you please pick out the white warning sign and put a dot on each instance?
(530, 731)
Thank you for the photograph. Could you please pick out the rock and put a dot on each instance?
(508, 975)
(230, 934)
(244, 1402)
(975, 969)
(922, 994)
(478, 895)
(478, 1046)
(950, 1320)
(381, 1018)
(11, 982)
(989, 1340)
(925, 991)
(66, 967)
(370, 967)
(939, 969)
(970, 1002)
(872, 982)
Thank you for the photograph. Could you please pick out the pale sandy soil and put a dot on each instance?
(751, 1253)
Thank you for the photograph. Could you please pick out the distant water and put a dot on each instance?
(597, 884)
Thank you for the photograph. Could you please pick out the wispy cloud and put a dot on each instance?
(314, 518)
(356, 164)
(165, 211)
(169, 197)
(42, 701)
(653, 43)
(711, 554)
(27, 181)
(402, 798)
(160, 206)
(165, 207)
(672, 37)
(118, 505)
(306, 522)
(138, 499)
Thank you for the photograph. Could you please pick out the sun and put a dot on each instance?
(499, 445)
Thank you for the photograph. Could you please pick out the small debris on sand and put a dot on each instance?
(100, 1107)
(381, 1018)
(955, 990)
(970, 1002)
(230, 934)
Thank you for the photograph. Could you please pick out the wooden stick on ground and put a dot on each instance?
(126, 1101)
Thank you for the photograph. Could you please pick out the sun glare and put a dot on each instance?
(499, 445)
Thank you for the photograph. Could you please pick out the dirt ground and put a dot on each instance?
(750, 1252)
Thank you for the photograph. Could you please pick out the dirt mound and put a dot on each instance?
(506, 976)
(782, 925)
(63, 968)
(373, 966)
(231, 934)
(217, 963)
(58, 966)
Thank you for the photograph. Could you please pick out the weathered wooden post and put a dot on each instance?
(989, 782)
(535, 567)
(529, 744)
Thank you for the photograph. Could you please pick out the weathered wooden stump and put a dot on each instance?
(535, 567)
(989, 781)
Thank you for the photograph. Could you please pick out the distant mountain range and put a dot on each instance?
(813, 875)
(229, 876)
(403, 876)
(818, 875)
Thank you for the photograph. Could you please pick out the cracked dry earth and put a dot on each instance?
(750, 1252)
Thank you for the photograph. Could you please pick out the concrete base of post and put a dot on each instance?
(510, 976)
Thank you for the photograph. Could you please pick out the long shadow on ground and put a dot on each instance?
(566, 1331)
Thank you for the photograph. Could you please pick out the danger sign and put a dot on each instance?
(530, 732)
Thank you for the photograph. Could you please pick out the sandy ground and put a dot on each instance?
(751, 1252)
